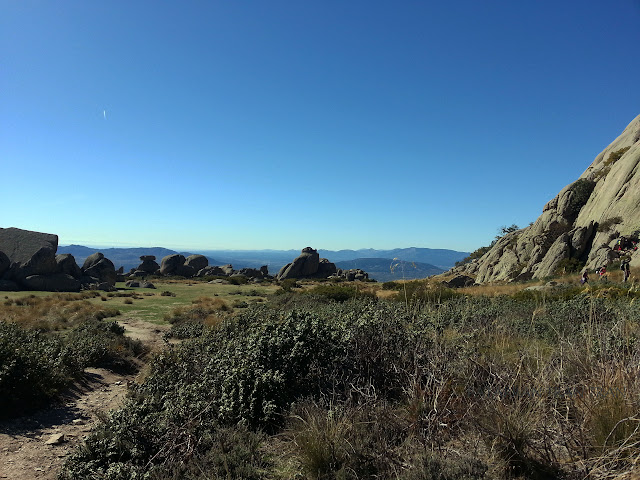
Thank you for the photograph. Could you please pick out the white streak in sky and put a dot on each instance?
(104, 114)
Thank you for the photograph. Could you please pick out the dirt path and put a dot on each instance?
(35, 446)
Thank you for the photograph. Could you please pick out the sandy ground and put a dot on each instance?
(27, 447)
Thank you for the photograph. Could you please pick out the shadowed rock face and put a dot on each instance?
(30, 253)
(101, 268)
(582, 222)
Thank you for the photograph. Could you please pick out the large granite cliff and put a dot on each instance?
(581, 224)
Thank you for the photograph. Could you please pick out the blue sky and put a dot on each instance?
(285, 124)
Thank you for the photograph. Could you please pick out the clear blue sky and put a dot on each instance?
(285, 124)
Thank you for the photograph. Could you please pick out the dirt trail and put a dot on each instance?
(28, 446)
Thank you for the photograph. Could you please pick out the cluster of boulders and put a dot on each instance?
(28, 261)
(309, 265)
(192, 266)
(353, 274)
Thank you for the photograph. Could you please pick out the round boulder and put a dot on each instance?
(67, 265)
(170, 264)
(198, 262)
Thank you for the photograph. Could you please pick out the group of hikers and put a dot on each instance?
(602, 274)
(626, 244)
(623, 244)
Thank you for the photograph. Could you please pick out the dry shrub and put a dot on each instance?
(54, 312)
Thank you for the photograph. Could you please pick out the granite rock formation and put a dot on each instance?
(581, 224)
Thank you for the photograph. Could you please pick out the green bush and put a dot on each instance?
(609, 223)
(34, 367)
(581, 190)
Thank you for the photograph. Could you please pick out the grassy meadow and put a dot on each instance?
(305, 380)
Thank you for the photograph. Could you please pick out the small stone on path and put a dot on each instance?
(55, 439)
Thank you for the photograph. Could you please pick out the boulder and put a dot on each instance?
(326, 268)
(305, 265)
(98, 266)
(250, 272)
(197, 262)
(148, 266)
(132, 284)
(185, 271)
(210, 271)
(145, 258)
(147, 285)
(227, 269)
(170, 264)
(56, 282)
(67, 265)
(30, 253)
(91, 260)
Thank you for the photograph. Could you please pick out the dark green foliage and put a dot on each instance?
(475, 254)
(35, 366)
(392, 286)
(570, 265)
(289, 284)
(339, 293)
(238, 280)
(581, 191)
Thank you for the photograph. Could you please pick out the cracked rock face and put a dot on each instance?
(581, 223)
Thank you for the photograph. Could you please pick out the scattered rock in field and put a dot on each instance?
(55, 439)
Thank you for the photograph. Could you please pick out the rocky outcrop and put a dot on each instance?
(34, 265)
(579, 226)
(309, 265)
(29, 253)
(351, 275)
(99, 268)
(149, 266)
(306, 265)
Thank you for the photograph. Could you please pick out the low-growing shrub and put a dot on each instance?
(609, 223)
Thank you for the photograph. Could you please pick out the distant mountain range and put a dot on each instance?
(428, 261)
(385, 270)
